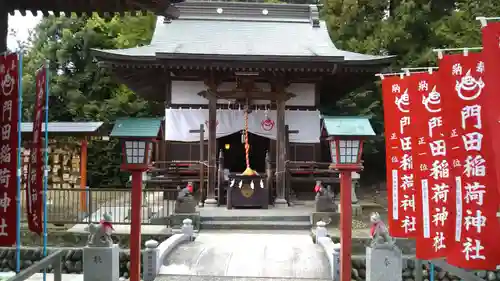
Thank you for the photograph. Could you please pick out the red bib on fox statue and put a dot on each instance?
(318, 186)
(189, 187)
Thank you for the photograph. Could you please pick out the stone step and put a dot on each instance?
(228, 278)
(255, 218)
(256, 225)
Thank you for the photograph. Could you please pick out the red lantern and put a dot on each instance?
(137, 154)
(346, 152)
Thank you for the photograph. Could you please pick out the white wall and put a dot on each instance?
(186, 92)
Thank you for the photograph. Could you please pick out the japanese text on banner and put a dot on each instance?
(35, 166)
(8, 147)
(432, 167)
(491, 55)
(399, 161)
(475, 193)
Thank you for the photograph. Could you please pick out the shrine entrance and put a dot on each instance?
(234, 152)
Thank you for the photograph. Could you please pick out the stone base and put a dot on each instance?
(280, 203)
(383, 264)
(101, 263)
(176, 220)
(210, 203)
(333, 216)
(357, 210)
(187, 206)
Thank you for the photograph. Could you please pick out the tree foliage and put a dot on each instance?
(79, 89)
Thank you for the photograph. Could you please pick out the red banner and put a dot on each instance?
(399, 161)
(432, 167)
(473, 166)
(34, 181)
(8, 147)
(491, 55)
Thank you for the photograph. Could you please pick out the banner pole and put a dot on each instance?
(46, 166)
(19, 142)
(484, 20)
(431, 273)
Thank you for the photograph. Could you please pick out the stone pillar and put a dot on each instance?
(188, 229)
(101, 263)
(150, 261)
(320, 230)
(280, 200)
(356, 207)
(336, 262)
(4, 26)
(357, 210)
(210, 201)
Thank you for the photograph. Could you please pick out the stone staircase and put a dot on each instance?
(228, 278)
(297, 222)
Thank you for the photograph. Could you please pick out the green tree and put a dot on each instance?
(79, 89)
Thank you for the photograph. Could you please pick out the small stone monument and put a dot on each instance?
(150, 261)
(384, 260)
(188, 229)
(101, 258)
(321, 230)
(185, 203)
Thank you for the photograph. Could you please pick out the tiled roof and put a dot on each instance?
(137, 127)
(65, 127)
(348, 126)
(242, 31)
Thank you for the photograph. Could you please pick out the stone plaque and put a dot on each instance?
(384, 263)
(101, 263)
(150, 261)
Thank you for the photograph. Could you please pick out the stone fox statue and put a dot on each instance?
(379, 232)
(100, 234)
(185, 192)
(325, 198)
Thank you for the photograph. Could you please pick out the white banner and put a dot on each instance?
(178, 123)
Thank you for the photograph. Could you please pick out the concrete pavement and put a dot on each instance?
(276, 254)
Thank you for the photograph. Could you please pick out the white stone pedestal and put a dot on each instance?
(101, 263)
(384, 263)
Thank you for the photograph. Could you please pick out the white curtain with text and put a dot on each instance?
(178, 123)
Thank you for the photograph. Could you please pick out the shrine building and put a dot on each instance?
(219, 60)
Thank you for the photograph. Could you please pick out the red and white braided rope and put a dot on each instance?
(247, 146)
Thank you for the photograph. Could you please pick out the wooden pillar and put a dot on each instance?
(4, 26)
(202, 164)
(220, 179)
(212, 151)
(201, 131)
(168, 101)
(280, 200)
(287, 182)
(83, 175)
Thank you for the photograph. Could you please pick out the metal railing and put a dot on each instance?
(53, 260)
(82, 206)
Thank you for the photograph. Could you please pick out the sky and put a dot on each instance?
(22, 26)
